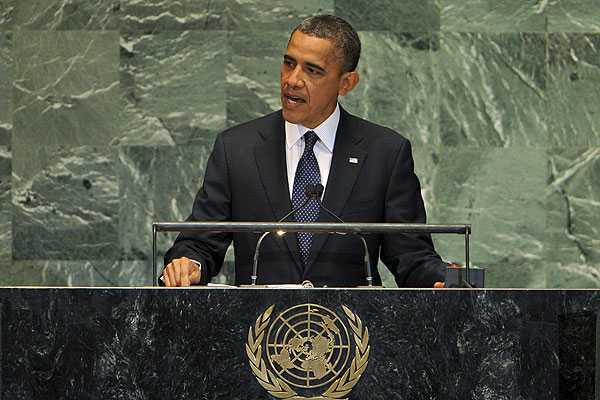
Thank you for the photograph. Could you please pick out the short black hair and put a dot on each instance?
(338, 30)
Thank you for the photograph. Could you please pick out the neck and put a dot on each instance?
(328, 114)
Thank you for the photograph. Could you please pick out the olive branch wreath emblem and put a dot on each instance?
(339, 388)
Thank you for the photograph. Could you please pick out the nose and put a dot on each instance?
(294, 78)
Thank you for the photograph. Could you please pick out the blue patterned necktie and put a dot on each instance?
(307, 173)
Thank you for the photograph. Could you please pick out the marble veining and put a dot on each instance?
(7, 9)
(463, 184)
(66, 84)
(5, 207)
(176, 15)
(573, 86)
(492, 89)
(398, 89)
(67, 14)
(67, 208)
(573, 208)
(391, 15)
(573, 16)
(493, 16)
(174, 87)
(499, 99)
(6, 78)
(274, 14)
(80, 273)
(253, 75)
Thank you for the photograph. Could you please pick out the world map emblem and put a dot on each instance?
(308, 350)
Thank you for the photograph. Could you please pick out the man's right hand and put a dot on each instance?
(181, 272)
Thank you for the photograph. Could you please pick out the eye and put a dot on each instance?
(314, 71)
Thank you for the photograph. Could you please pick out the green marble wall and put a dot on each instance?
(108, 110)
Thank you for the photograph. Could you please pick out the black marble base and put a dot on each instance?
(190, 343)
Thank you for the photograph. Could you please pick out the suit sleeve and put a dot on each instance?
(212, 203)
(411, 258)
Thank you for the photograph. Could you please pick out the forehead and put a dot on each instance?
(304, 47)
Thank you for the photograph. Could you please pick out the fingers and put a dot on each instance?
(196, 274)
(172, 273)
(184, 277)
(181, 272)
(439, 285)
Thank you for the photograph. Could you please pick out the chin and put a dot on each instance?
(291, 117)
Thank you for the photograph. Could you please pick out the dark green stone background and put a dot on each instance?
(108, 110)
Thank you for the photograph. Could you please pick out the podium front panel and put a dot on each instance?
(213, 343)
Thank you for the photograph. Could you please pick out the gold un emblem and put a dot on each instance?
(308, 349)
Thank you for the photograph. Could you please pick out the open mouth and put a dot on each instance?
(293, 99)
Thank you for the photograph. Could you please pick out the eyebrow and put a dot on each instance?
(315, 66)
(308, 63)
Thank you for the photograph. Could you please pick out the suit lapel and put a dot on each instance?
(349, 147)
(271, 162)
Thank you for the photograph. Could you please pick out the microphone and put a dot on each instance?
(312, 193)
(317, 191)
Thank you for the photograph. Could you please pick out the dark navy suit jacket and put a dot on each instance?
(246, 180)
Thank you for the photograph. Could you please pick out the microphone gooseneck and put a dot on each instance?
(311, 192)
(317, 191)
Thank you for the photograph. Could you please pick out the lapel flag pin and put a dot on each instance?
(353, 160)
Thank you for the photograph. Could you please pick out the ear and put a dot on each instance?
(348, 81)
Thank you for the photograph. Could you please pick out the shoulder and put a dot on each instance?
(248, 131)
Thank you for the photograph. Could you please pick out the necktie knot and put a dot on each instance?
(310, 138)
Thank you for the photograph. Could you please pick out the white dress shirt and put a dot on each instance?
(294, 146)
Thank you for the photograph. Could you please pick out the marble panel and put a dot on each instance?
(5, 208)
(392, 15)
(492, 89)
(572, 250)
(6, 77)
(7, 10)
(397, 87)
(67, 207)
(173, 87)
(573, 15)
(387, 278)
(67, 14)
(500, 192)
(227, 274)
(253, 74)
(153, 15)
(136, 168)
(66, 88)
(159, 15)
(78, 273)
(156, 184)
(273, 14)
(493, 15)
(573, 89)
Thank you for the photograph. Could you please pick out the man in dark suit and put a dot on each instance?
(258, 171)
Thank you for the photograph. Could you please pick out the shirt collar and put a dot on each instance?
(326, 131)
